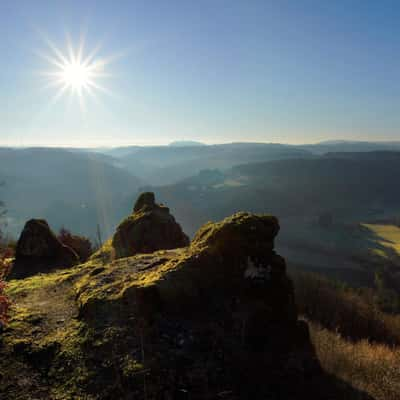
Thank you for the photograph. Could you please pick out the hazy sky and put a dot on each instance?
(214, 71)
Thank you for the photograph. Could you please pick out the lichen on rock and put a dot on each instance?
(179, 320)
(191, 279)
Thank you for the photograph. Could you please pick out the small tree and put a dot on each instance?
(4, 301)
(3, 212)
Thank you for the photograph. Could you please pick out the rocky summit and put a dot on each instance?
(39, 250)
(151, 227)
(213, 320)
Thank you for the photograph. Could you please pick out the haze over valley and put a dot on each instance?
(348, 183)
(199, 200)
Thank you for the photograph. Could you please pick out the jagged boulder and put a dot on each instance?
(233, 263)
(145, 200)
(151, 227)
(39, 250)
(239, 238)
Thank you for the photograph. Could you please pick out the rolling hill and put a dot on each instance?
(74, 189)
(168, 164)
(350, 189)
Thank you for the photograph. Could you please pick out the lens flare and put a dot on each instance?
(74, 71)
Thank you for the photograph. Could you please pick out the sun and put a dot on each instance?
(75, 71)
(75, 75)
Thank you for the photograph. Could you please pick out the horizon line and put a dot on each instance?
(199, 143)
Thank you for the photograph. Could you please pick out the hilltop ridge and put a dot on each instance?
(215, 318)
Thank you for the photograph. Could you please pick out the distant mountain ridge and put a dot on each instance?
(351, 146)
(96, 185)
(186, 143)
(169, 164)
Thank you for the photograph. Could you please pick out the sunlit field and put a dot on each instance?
(387, 235)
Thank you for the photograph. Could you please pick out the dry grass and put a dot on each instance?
(355, 316)
(372, 368)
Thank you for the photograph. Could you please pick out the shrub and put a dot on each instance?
(4, 305)
(6, 255)
(80, 244)
(6, 258)
(352, 314)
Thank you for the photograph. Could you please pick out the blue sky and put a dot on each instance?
(215, 71)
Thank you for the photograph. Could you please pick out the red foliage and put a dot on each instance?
(6, 254)
(80, 244)
(4, 304)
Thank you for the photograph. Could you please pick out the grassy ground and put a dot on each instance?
(42, 321)
(371, 368)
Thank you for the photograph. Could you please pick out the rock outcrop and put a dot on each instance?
(219, 314)
(151, 227)
(39, 250)
(215, 319)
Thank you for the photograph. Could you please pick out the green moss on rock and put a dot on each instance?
(151, 227)
(94, 331)
(241, 231)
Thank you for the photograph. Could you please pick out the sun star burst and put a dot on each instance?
(74, 71)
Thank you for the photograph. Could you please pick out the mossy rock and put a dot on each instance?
(99, 330)
(151, 227)
(145, 200)
(241, 232)
(39, 250)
